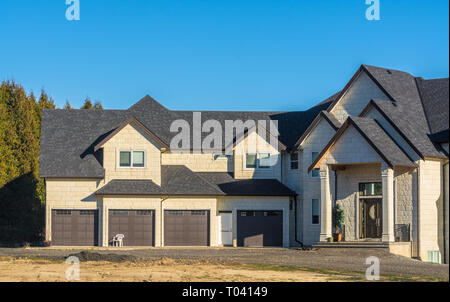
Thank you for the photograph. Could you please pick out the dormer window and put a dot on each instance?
(132, 159)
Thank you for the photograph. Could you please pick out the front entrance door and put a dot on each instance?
(371, 218)
(225, 228)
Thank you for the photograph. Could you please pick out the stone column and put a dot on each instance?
(387, 177)
(325, 203)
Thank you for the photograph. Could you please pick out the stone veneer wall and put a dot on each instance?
(315, 142)
(430, 207)
(406, 201)
(357, 97)
(348, 194)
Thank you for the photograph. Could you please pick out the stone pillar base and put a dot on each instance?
(323, 237)
(387, 238)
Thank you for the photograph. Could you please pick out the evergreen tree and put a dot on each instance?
(22, 193)
(98, 105)
(67, 105)
(87, 104)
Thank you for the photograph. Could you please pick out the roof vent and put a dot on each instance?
(388, 71)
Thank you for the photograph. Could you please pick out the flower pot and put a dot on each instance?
(337, 237)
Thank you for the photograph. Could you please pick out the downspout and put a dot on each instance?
(295, 222)
(161, 220)
(444, 207)
(335, 192)
(418, 212)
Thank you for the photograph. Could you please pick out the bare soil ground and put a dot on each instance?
(165, 270)
(211, 264)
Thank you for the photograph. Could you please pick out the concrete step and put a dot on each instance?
(365, 244)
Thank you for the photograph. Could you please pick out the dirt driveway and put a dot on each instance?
(216, 264)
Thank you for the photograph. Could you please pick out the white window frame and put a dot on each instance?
(290, 161)
(131, 158)
(311, 173)
(318, 200)
(221, 156)
(257, 161)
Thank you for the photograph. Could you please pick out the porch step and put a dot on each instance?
(354, 244)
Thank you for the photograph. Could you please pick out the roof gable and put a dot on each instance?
(130, 121)
(375, 136)
(323, 115)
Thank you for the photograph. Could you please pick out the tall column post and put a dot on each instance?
(387, 177)
(325, 203)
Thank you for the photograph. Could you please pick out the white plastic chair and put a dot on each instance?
(118, 239)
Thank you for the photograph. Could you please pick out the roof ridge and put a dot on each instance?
(423, 106)
(216, 187)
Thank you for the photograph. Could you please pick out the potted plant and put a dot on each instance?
(338, 221)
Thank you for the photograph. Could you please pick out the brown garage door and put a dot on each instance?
(186, 228)
(137, 226)
(260, 228)
(75, 227)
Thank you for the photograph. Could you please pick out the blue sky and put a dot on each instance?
(215, 55)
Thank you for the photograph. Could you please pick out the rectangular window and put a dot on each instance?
(250, 161)
(89, 212)
(144, 213)
(315, 211)
(120, 212)
(138, 158)
(175, 213)
(221, 156)
(134, 159)
(63, 212)
(370, 189)
(315, 172)
(434, 256)
(263, 160)
(257, 161)
(125, 158)
(294, 161)
(198, 213)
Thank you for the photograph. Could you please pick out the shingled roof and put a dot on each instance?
(246, 187)
(435, 100)
(406, 111)
(181, 181)
(69, 137)
(418, 109)
(376, 137)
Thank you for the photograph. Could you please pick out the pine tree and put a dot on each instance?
(22, 193)
(67, 105)
(98, 105)
(87, 104)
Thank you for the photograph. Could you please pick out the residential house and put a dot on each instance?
(378, 148)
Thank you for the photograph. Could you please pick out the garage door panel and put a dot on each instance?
(260, 228)
(136, 225)
(75, 227)
(186, 228)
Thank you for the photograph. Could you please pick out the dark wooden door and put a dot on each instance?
(186, 227)
(259, 228)
(75, 227)
(136, 225)
(372, 218)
